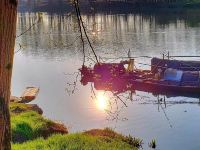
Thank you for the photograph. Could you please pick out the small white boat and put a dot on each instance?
(30, 94)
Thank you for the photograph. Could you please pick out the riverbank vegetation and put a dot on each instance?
(27, 123)
(30, 130)
(98, 5)
(75, 141)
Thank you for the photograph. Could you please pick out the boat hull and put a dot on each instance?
(168, 90)
(119, 80)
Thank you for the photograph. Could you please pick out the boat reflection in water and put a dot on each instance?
(116, 87)
(118, 79)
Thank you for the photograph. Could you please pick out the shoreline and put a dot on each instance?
(31, 130)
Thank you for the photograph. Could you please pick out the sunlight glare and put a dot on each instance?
(102, 101)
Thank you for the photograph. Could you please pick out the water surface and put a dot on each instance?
(52, 50)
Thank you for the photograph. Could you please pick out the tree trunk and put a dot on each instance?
(8, 16)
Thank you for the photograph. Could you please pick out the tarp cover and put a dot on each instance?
(173, 74)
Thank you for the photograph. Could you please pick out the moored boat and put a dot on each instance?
(184, 65)
(168, 81)
(29, 94)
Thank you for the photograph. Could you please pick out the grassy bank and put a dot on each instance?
(77, 141)
(27, 123)
(30, 130)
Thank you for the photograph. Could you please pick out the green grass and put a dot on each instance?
(152, 144)
(28, 125)
(108, 132)
(17, 108)
(75, 142)
(21, 106)
(30, 131)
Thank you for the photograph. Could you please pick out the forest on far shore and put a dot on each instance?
(88, 5)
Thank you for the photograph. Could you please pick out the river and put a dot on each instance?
(51, 54)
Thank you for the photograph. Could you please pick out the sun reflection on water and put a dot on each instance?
(102, 101)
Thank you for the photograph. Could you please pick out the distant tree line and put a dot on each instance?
(32, 2)
(149, 1)
(49, 5)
